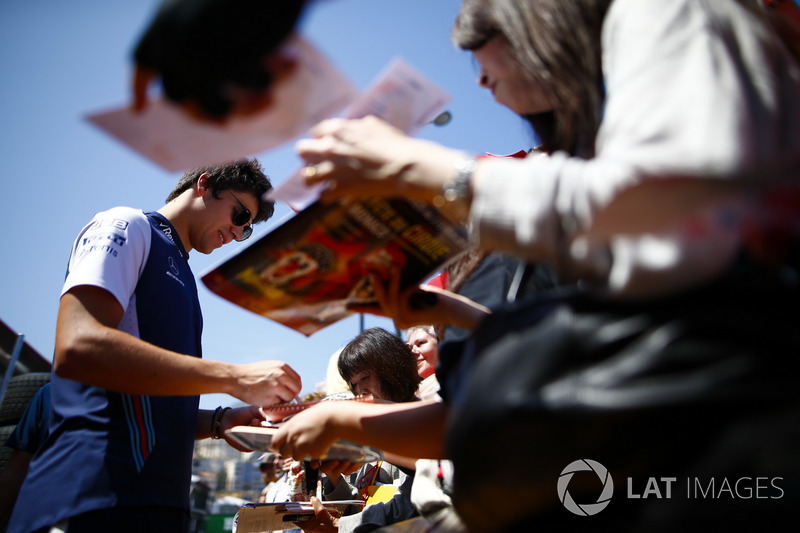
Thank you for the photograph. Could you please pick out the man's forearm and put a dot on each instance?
(117, 361)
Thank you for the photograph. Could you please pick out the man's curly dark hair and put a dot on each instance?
(244, 176)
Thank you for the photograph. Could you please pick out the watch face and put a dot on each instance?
(461, 182)
(458, 187)
(466, 166)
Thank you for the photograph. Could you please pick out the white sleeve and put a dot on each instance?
(687, 93)
(110, 253)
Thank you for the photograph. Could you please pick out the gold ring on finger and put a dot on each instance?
(309, 172)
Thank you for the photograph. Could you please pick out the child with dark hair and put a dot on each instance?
(376, 363)
(379, 363)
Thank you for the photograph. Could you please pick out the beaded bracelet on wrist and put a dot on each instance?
(216, 421)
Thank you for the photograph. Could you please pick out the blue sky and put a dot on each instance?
(62, 60)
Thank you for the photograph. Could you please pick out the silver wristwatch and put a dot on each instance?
(456, 192)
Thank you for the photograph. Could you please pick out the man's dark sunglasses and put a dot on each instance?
(241, 217)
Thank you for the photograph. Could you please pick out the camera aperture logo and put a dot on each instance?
(588, 509)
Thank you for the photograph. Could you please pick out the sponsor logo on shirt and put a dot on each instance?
(114, 223)
(108, 243)
(173, 270)
(166, 230)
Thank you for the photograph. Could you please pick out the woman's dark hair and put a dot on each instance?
(556, 44)
(388, 357)
(244, 176)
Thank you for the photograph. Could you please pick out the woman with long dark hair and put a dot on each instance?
(665, 122)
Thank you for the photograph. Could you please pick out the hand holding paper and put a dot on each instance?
(401, 96)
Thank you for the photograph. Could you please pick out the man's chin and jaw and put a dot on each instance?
(213, 241)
